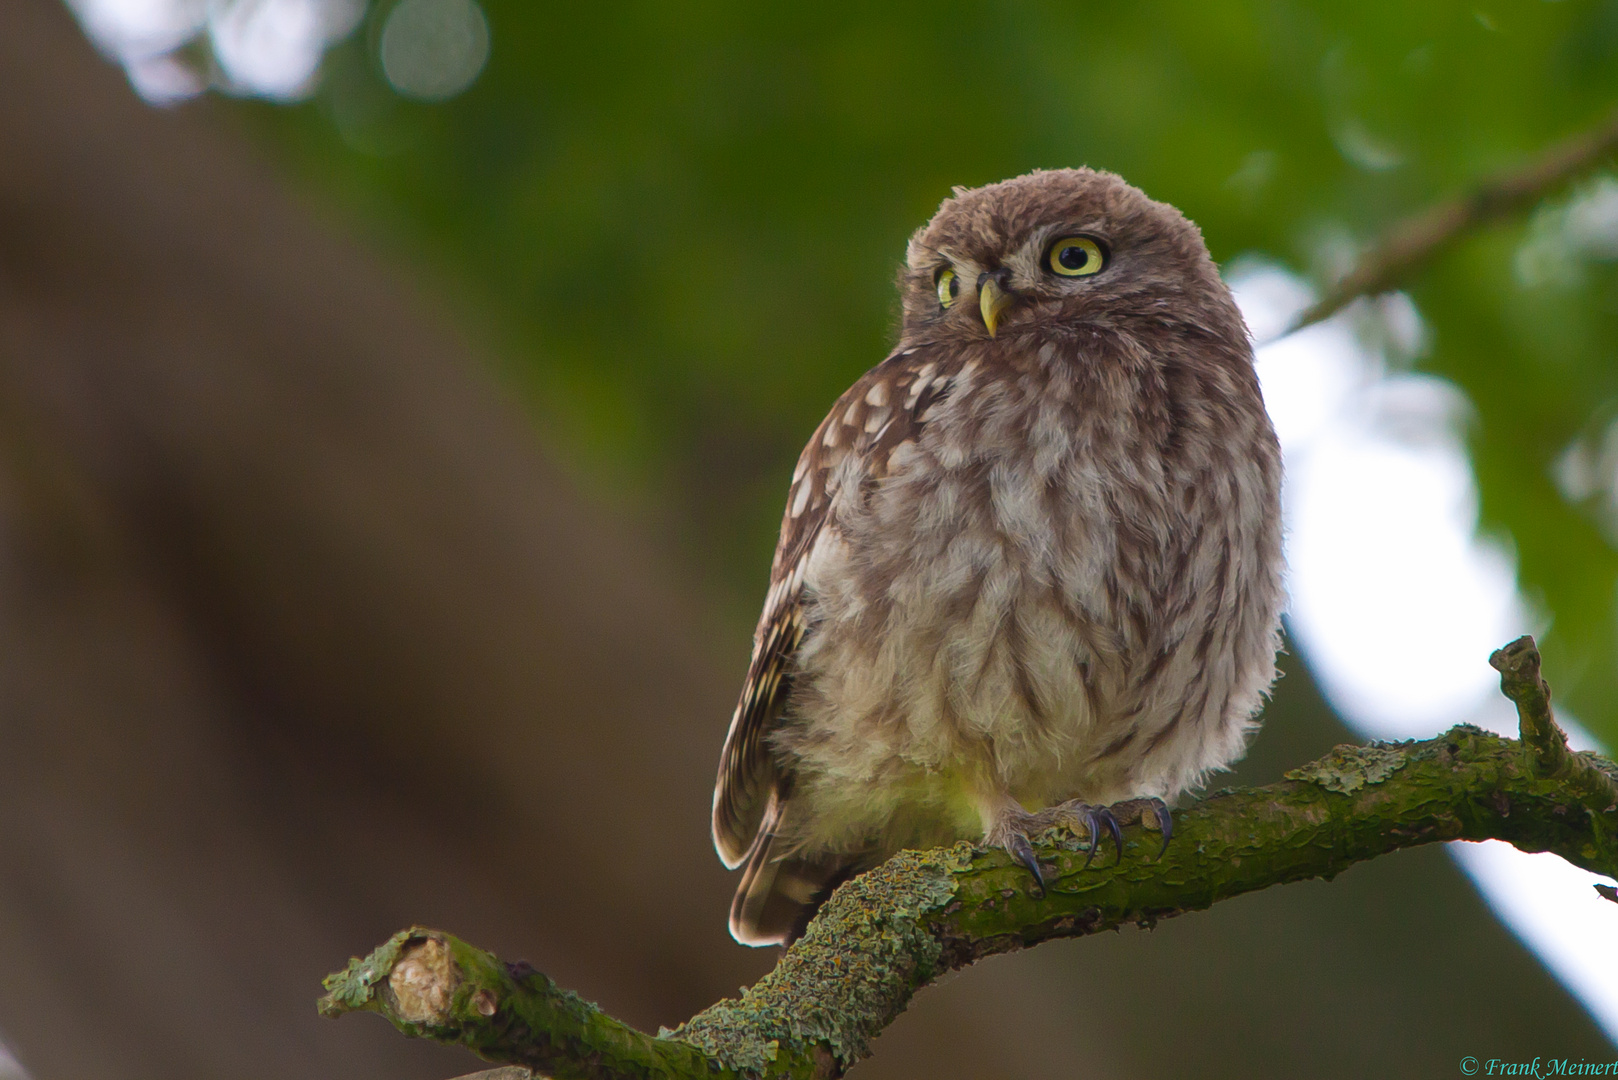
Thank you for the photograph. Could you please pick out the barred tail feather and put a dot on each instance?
(779, 895)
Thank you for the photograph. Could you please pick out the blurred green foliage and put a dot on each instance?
(681, 222)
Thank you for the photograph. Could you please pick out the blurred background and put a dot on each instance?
(396, 404)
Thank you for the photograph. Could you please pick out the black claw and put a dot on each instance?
(1092, 821)
(1165, 823)
(1110, 820)
(1023, 852)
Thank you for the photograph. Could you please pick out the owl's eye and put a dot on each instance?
(1075, 256)
(949, 287)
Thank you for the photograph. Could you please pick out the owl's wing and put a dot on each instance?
(885, 408)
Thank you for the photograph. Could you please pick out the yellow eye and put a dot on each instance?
(1076, 256)
(949, 287)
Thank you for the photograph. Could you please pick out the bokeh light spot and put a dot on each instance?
(434, 49)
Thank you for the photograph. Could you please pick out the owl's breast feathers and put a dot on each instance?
(851, 451)
(1065, 551)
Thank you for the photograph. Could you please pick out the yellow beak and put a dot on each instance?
(992, 300)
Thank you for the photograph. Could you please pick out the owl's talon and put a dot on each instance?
(1092, 822)
(1133, 810)
(1110, 820)
(1095, 817)
(1023, 852)
(1165, 823)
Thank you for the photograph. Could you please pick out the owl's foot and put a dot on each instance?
(1010, 830)
(1093, 818)
(1023, 852)
(1132, 810)
(1013, 826)
(1113, 818)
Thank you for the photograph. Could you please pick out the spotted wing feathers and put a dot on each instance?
(852, 447)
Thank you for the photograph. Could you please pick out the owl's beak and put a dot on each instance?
(993, 297)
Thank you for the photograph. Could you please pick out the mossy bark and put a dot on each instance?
(890, 932)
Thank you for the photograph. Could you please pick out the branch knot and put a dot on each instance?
(1518, 665)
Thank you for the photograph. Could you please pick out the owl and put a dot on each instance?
(1030, 568)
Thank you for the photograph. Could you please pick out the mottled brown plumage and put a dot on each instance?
(1033, 556)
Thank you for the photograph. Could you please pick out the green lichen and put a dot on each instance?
(1347, 769)
(727, 1032)
(355, 986)
(852, 973)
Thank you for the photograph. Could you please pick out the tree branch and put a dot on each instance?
(890, 932)
(1416, 239)
(1591, 776)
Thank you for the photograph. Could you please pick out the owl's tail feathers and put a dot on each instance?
(779, 895)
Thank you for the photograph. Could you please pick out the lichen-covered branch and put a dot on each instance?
(436, 986)
(1411, 242)
(888, 933)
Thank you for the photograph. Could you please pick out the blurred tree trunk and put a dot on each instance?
(283, 575)
(279, 570)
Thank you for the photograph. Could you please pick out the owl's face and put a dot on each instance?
(1070, 249)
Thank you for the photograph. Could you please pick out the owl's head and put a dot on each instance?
(1067, 249)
